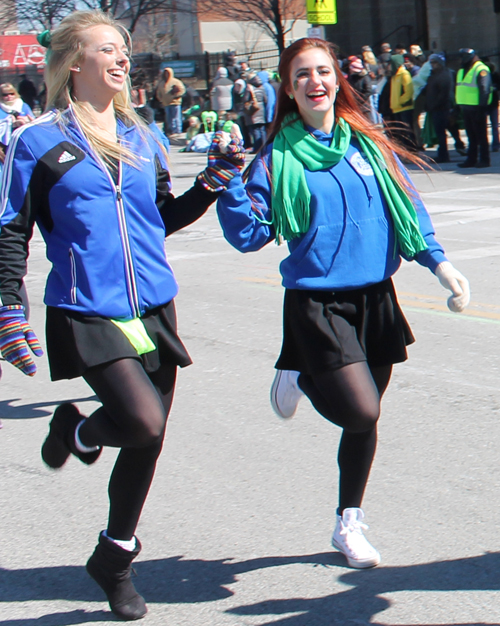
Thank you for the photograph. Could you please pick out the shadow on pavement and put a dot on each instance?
(361, 603)
(36, 409)
(61, 619)
(185, 581)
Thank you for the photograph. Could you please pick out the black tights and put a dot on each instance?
(350, 397)
(133, 416)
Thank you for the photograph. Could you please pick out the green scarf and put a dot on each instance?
(294, 149)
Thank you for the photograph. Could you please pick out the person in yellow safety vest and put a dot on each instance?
(473, 93)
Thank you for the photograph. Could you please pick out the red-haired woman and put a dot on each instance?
(331, 184)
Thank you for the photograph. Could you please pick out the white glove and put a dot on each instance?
(451, 279)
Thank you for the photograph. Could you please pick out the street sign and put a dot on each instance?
(182, 69)
(316, 32)
(321, 11)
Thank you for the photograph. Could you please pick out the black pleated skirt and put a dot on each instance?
(325, 330)
(77, 342)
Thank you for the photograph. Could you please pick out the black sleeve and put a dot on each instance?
(32, 201)
(17, 226)
(14, 240)
(484, 85)
(178, 212)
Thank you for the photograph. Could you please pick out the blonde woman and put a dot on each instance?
(12, 105)
(95, 179)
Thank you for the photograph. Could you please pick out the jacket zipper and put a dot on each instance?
(129, 264)
(73, 275)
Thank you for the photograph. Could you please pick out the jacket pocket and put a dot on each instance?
(73, 275)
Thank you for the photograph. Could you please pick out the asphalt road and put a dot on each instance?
(237, 526)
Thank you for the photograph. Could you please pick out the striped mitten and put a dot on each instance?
(16, 336)
(226, 158)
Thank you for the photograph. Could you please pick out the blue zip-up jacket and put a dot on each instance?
(104, 234)
(350, 241)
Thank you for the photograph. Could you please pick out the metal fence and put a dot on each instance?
(198, 70)
(262, 59)
(13, 75)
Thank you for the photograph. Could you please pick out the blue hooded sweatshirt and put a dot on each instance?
(270, 95)
(350, 242)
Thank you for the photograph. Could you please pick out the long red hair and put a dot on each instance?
(346, 106)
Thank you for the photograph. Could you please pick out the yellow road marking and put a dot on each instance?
(418, 302)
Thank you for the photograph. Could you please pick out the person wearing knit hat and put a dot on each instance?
(221, 93)
(437, 58)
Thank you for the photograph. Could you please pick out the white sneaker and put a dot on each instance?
(348, 538)
(285, 393)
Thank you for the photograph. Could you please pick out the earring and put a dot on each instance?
(76, 69)
(290, 95)
(337, 90)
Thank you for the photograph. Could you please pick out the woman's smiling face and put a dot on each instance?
(105, 64)
(313, 85)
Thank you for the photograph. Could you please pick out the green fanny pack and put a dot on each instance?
(135, 331)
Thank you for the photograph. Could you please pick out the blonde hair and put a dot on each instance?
(66, 50)
(9, 86)
(369, 57)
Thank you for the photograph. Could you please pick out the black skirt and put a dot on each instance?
(325, 330)
(77, 342)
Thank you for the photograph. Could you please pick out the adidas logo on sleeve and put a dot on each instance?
(62, 158)
(66, 157)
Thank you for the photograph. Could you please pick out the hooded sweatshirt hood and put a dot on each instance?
(168, 74)
(397, 60)
(264, 76)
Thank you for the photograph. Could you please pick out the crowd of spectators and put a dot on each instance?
(399, 85)
(237, 94)
(395, 88)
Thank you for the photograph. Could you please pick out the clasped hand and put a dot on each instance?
(226, 159)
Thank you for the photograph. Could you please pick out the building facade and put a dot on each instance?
(437, 25)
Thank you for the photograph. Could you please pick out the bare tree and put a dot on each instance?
(274, 17)
(129, 12)
(155, 34)
(250, 36)
(33, 15)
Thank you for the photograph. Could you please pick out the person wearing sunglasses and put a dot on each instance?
(11, 105)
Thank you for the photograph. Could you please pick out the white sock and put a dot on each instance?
(78, 443)
(129, 545)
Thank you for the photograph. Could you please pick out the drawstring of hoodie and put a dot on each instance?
(362, 179)
(347, 211)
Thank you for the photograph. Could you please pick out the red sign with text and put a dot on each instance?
(20, 51)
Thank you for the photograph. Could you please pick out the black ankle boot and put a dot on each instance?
(110, 566)
(60, 442)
